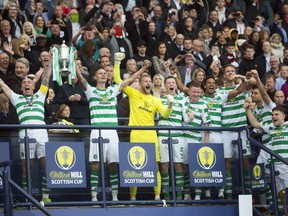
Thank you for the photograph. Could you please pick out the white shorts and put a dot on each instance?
(185, 148)
(38, 147)
(229, 148)
(264, 157)
(110, 149)
(282, 178)
(215, 137)
(177, 149)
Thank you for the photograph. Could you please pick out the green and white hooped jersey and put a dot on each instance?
(179, 109)
(102, 104)
(30, 110)
(279, 139)
(201, 116)
(214, 105)
(233, 112)
(263, 114)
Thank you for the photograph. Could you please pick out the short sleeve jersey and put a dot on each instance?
(201, 116)
(263, 114)
(142, 107)
(175, 119)
(102, 104)
(279, 137)
(233, 112)
(214, 105)
(30, 109)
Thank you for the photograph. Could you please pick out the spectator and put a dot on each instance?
(161, 60)
(4, 108)
(119, 13)
(277, 47)
(275, 65)
(64, 23)
(254, 39)
(62, 116)
(86, 53)
(284, 88)
(264, 35)
(152, 39)
(120, 43)
(285, 56)
(186, 71)
(223, 12)
(6, 68)
(279, 97)
(40, 26)
(236, 20)
(29, 30)
(16, 20)
(270, 84)
(277, 27)
(157, 84)
(56, 38)
(263, 61)
(21, 47)
(283, 77)
(198, 49)
(131, 66)
(188, 29)
(248, 61)
(5, 32)
(198, 75)
(141, 55)
(35, 8)
(259, 24)
(136, 27)
(14, 81)
(169, 40)
(206, 38)
(230, 57)
(157, 18)
(74, 96)
(213, 21)
(50, 107)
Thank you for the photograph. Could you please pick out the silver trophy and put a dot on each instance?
(64, 51)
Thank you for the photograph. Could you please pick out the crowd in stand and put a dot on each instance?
(188, 41)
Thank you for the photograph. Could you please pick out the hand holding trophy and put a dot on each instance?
(63, 63)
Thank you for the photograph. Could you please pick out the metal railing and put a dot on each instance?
(104, 203)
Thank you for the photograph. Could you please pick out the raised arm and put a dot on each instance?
(242, 87)
(7, 91)
(135, 75)
(174, 71)
(81, 79)
(47, 73)
(267, 100)
(253, 121)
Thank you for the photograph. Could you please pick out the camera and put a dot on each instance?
(236, 14)
(257, 19)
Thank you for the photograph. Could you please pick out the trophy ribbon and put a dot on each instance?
(56, 67)
(72, 65)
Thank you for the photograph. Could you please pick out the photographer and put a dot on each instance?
(236, 20)
(259, 24)
(136, 27)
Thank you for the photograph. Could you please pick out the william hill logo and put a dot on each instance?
(206, 158)
(137, 157)
(257, 172)
(65, 157)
